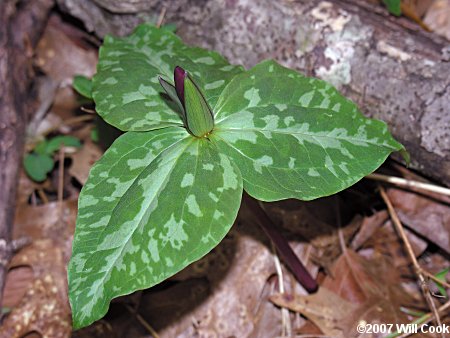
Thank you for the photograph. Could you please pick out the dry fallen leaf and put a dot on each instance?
(368, 227)
(326, 309)
(51, 220)
(83, 161)
(426, 216)
(44, 307)
(385, 241)
(18, 281)
(437, 18)
(361, 290)
(60, 57)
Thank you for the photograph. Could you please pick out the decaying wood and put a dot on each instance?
(395, 73)
(20, 28)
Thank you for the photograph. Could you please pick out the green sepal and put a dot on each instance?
(172, 93)
(199, 117)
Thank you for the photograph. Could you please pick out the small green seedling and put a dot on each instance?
(393, 6)
(199, 131)
(40, 161)
(441, 275)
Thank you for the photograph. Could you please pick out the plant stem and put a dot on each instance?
(287, 254)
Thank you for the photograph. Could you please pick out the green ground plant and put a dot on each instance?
(40, 162)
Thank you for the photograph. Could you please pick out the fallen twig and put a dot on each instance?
(401, 182)
(434, 278)
(143, 322)
(418, 270)
(161, 17)
(285, 319)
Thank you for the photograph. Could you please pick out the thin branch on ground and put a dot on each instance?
(75, 120)
(161, 17)
(341, 236)
(285, 319)
(61, 156)
(143, 322)
(418, 270)
(434, 278)
(42, 195)
(87, 110)
(402, 182)
(71, 121)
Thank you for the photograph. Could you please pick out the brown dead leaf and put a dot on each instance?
(437, 18)
(325, 308)
(369, 290)
(60, 57)
(44, 221)
(83, 161)
(386, 241)
(415, 9)
(327, 246)
(44, 307)
(18, 281)
(424, 215)
(420, 7)
(375, 284)
(25, 189)
(368, 227)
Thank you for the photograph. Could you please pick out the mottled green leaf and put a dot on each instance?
(126, 89)
(296, 137)
(83, 86)
(153, 204)
(37, 166)
(171, 27)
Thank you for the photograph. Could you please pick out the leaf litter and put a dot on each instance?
(231, 291)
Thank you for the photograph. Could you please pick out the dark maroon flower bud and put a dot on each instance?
(179, 76)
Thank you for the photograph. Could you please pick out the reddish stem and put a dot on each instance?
(287, 254)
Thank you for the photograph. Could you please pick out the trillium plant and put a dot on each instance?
(198, 132)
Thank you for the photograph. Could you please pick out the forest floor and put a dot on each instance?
(380, 251)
